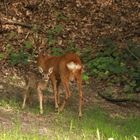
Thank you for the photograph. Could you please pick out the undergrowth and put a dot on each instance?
(114, 65)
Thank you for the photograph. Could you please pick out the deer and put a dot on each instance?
(67, 67)
(32, 81)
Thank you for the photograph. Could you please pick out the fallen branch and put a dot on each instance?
(118, 100)
(19, 24)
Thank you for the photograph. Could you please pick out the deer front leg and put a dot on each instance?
(40, 96)
(66, 87)
(26, 92)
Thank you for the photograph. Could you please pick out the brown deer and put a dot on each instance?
(67, 67)
(32, 81)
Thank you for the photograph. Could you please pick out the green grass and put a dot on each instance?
(15, 134)
(94, 125)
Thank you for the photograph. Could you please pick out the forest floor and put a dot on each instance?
(59, 26)
(52, 123)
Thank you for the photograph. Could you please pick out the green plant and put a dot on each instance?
(60, 16)
(56, 51)
(105, 66)
(132, 59)
(20, 55)
(18, 58)
(133, 50)
(116, 65)
(85, 77)
(53, 33)
(86, 54)
(71, 47)
(1, 56)
(28, 44)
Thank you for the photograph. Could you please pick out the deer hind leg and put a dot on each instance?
(55, 90)
(66, 87)
(79, 84)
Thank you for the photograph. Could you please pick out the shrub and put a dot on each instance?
(117, 65)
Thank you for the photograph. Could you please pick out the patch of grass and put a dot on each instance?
(94, 125)
(96, 119)
(116, 128)
(16, 134)
(9, 104)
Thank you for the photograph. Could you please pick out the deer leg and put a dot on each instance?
(54, 84)
(25, 98)
(66, 87)
(40, 96)
(79, 84)
(58, 94)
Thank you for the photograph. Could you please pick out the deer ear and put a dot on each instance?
(40, 69)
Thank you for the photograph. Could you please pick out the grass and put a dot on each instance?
(95, 125)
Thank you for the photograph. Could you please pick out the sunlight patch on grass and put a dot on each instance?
(9, 105)
(94, 125)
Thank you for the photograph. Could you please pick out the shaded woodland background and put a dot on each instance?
(105, 33)
(106, 36)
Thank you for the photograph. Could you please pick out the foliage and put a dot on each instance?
(131, 56)
(117, 66)
(22, 55)
(71, 47)
(85, 77)
(28, 44)
(17, 58)
(53, 33)
(60, 16)
(106, 66)
(56, 51)
(1, 56)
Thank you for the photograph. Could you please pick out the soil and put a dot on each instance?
(13, 91)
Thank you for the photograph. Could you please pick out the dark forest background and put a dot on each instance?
(104, 33)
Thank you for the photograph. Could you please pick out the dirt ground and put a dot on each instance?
(12, 88)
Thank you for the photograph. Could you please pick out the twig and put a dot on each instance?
(29, 26)
(19, 24)
(133, 54)
(27, 35)
(5, 5)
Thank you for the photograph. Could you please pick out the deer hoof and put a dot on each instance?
(80, 115)
(56, 106)
(41, 111)
(61, 109)
(23, 107)
(69, 95)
